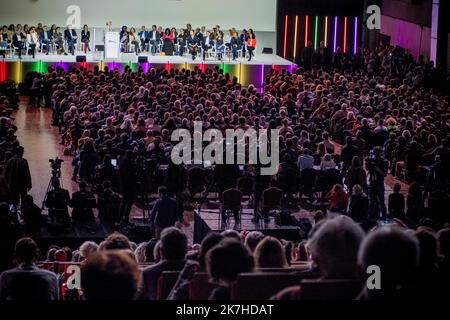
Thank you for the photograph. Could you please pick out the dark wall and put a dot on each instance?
(418, 12)
(331, 8)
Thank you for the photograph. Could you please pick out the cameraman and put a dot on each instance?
(82, 203)
(57, 203)
(378, 168)
(127, 182)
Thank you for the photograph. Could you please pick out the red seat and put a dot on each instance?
(262, 286)
(200, 288)
(165, 284)
(329, 289)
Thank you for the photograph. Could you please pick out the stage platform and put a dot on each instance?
(207, 220)
(247, 72)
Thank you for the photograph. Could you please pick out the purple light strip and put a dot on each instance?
(335, 34)
(355, 35)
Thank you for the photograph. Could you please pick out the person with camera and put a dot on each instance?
(127, 175)
(57, 202)
(377, 167)
(82, 203)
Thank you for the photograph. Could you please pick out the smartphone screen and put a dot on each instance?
(114, 162)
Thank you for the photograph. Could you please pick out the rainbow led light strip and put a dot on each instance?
(335, 33)
(306, 31)
(285, 35)
(345, 34)
(355, 33)
(316, 26)
(295, 37)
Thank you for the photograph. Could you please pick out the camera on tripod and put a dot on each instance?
(55, 164)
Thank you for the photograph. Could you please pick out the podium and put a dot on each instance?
(112, 45)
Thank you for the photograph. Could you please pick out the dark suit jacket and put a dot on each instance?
(42, 35)
(157, 36)
(69, 34)
(165, 212)
(16, 41)
(27, 283)
(150, 276)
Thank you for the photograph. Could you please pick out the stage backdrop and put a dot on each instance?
(257, 14)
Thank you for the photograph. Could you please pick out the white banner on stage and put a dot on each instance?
(112, 45)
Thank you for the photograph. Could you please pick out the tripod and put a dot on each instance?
(54, 180)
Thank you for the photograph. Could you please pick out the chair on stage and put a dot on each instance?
(263, 285)
(199, 287)
(166, 282)
(196, 181)
(308, 182)
(231, 203)
(329, 289)
(271, 201)
(289, 182)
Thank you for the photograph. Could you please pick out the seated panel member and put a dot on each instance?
(143, 36)
(154, 38)
(207, 43)
(33, 41)
(251, 44)
(71, 37)
(18, 42)
(235, 45)
(168, 42)
(134, 40)
(45, 39)
(85, 38)
(220, 45)
(192, 42)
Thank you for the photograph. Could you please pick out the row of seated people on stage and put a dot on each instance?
(172, 41)
(44, 39)
(332, 263)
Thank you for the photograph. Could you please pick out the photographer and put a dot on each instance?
(82, 203)
(127, 182)
(378, 168)
(57, 203)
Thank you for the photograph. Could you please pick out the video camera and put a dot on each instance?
(55, 164)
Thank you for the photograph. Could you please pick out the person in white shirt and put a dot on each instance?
(32, 41)
(327, 163)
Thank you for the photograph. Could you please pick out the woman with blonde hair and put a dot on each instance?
(269, 253)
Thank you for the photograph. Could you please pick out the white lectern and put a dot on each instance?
(112, 45)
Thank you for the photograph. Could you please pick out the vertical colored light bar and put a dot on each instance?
(316, 26)
(2, 71)
(262, 76)
(94, 41)
(335, 34)
(295, 37)
(326, 31)
(306, 31)
(355, 33)
(345, 34)
(285, 35)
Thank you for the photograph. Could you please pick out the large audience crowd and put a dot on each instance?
(390, 113)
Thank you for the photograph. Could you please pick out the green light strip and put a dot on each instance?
(315, 32)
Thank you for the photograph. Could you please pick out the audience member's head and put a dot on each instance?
(26, 250)
(252, 239)
(173, 244)
(110, 275)
(334, 247)
(269, 253)
(396, 252)
(226, 260)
